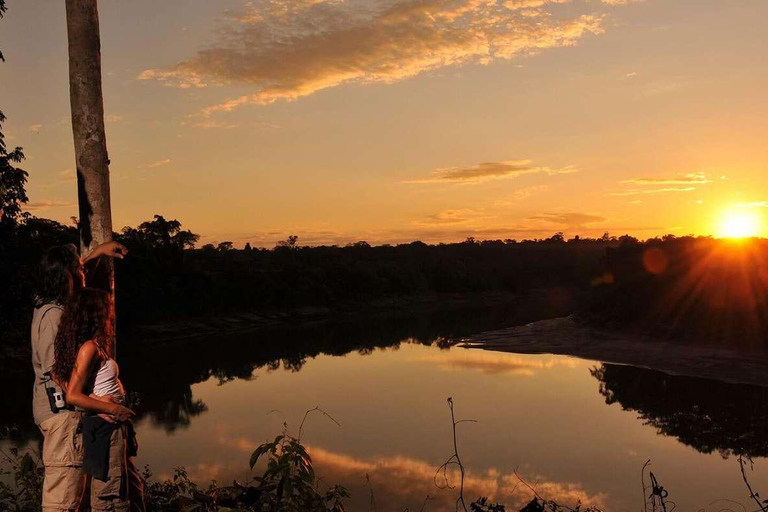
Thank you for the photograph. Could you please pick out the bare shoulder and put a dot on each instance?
(88, 351)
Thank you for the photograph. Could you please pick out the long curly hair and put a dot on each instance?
(87, 317)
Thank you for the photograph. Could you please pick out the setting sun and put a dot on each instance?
(739, 224)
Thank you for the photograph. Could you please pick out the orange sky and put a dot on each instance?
(394, 120)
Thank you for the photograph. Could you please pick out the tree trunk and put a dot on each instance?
(88, 127)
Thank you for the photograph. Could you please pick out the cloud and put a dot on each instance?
(159, 163)
(285, 49)
(449, 217)
(36, 128)
(210, 124)
(520, 194)
(495, 363)
(753, 204)
(530, 4)
(403, 482)
(407, 480)
(697, 178)
(664, 190)
(44, 204)
(113, 118)
(569, 220)
(489, 171)
(67, 175)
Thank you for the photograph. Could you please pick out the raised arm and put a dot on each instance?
(86, 358)
(112, 249)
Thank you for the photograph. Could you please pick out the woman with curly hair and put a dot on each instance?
(84, 359)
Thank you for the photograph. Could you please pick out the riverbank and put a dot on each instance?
(188, 328)
(565, 336)
(533, 305)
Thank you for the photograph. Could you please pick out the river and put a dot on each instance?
(574, 429)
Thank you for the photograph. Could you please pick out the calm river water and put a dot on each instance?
(575, 429)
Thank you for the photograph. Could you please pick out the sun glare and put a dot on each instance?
(739, 224)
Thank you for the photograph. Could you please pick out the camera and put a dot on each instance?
(56, 397)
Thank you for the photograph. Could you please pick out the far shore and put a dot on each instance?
(564, 336)
(187, 328)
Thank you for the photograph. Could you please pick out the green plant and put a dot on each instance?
(289, 482)
(26, 472)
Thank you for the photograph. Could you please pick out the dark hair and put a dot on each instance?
(87, 317)
(60, 269)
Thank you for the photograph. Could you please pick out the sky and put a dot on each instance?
(396, 120)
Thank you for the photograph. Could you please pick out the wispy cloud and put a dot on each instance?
(753, 204)
(665, 190)
(113, 118)
(520, 194)
(489, 171)
(570, 220)
(495, 363)
(401, 479)
(45, 204)
(451, 217)
(210, 124)
(287, 49)
(697, 178)
(159, 163)
(664, 184)
(36, 128)
(67, 175)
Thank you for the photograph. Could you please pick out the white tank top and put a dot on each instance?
(106, 382)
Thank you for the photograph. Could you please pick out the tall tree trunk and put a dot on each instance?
(87, 107)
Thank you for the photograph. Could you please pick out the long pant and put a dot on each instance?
(64, 480)
(123, 491)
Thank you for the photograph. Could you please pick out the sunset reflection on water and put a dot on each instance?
(541, 415)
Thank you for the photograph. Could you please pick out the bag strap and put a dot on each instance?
(48, 307)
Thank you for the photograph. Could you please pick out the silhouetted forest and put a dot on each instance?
(686, 287)
(700, 289)
(165, 277)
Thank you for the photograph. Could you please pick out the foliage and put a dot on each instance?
(698, 288)
(27, 476)
(3, 8)
(12, 179)
(287, 484)
(289, 481)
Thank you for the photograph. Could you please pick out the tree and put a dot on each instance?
(247, 247)
(162, 233)
(557, 238)
(90, 141)
(12, 179)
(3, 8)
(290, 243)
(225, 246)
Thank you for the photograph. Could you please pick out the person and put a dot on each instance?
(61, 276)
(84, 359)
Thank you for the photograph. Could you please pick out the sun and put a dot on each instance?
(738, 224)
